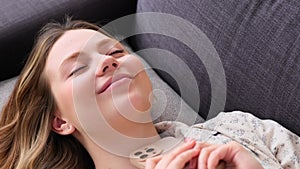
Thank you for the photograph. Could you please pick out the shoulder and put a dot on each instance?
(236, 116)
(232, 118)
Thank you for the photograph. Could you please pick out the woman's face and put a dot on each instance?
(91, 73)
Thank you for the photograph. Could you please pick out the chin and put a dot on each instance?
(139, 101)
(140, 94)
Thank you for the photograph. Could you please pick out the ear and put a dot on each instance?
(62, 127)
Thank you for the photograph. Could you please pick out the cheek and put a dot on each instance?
(64, 100)
(132, 64)
(140, 88)
(140, 92)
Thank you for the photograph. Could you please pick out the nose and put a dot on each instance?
(107, 65)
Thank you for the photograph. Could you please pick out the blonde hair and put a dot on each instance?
(26, 137)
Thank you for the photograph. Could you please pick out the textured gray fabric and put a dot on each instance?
(259, 45)
(167, 104)
(21, 19)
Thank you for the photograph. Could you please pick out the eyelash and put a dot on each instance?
(112, 53)
(116, 52)
(76, 70)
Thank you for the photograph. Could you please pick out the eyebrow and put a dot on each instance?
(73, 56)
(107, 41)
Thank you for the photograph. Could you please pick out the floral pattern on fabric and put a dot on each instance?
(272, 144)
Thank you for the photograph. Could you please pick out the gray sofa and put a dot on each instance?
(255, 43)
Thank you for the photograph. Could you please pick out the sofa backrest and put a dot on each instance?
(20, 21)
(258, 43)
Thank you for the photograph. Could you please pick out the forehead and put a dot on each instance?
(75, 40)
(70, 42)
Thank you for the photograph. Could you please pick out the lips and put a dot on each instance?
(112, 80)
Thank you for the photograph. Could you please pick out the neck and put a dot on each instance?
(104, 158)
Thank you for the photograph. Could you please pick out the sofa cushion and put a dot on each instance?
(258, 43)
(20, 20)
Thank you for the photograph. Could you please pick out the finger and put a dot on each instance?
(193, 163)
(226, 152)
(152, 162)
(234, 154)
(217, 155)
(182, 159)
(167, 158)
(204, 154)
(201, 145)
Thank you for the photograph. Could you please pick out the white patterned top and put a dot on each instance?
(272, 144)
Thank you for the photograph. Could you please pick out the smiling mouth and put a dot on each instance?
(110, 81)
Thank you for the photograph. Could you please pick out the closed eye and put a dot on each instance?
(116, 52)
(75, 71)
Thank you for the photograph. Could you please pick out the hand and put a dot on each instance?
(234, 155)
(175, 159)
(204, 156)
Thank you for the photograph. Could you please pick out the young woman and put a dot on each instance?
(80, 88)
